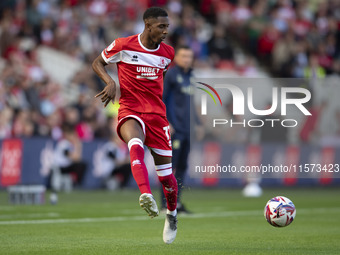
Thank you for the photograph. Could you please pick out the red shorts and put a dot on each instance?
(155, 128)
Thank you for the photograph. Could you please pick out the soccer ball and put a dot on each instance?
(279, 211)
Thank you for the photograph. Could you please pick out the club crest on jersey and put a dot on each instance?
(162, 63)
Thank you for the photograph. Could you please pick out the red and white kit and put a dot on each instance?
(140, 73)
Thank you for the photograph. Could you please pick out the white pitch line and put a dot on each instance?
(80, 220)
(30, 215)
(144, 217)
(129, 218)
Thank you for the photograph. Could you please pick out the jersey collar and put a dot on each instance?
(140, 43)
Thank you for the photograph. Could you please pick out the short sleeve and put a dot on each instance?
(112, 53)
(172, 56)
(166, 68)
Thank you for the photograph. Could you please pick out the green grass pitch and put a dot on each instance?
(224, 222)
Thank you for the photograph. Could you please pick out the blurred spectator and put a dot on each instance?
(256, 25)
(85, 128)
(21, 121)
(282, 54)
(54, 123)
(68, 155)
(266, 42)
(314, 69)
(219, 46)
(114, 164)
(71, 117)
(241, 13)
(6, 115)
(300, 59)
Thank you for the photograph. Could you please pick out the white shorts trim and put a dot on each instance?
(164, 172)
(163, 167)
(166, 153)
(141, 122)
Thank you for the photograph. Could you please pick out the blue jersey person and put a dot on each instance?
(176, 96)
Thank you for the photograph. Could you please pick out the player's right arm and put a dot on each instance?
(110, 54)
(109, 92)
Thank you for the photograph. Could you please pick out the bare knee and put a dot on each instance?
(160, 160)
(131, 128)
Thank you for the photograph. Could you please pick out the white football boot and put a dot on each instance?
(148, 203)
(170, 228)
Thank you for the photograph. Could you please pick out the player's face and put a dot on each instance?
(158, 29)
(184, 58)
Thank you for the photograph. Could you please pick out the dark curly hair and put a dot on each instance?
(154, 12)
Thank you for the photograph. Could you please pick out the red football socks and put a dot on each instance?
(169, 184)
(140, 174)
(138, 168)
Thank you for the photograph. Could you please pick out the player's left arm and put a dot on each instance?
(167, 87)
(172, 59)
(165, 71)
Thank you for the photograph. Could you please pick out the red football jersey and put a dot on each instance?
(140, 73)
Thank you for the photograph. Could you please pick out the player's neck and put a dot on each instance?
(147, 42)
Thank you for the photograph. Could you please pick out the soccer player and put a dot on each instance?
(142, 61)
